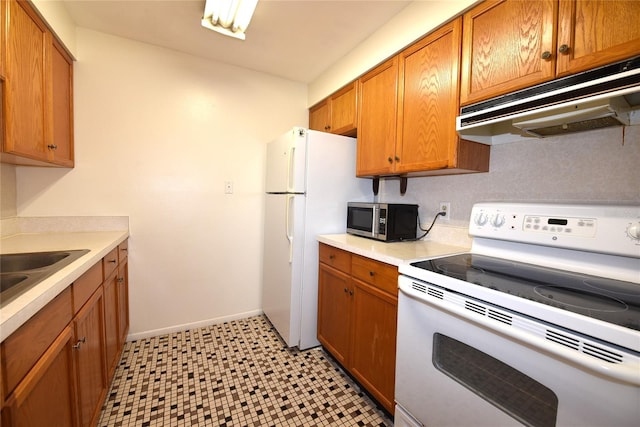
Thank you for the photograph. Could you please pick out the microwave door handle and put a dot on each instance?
(288, 232)
(374, 219)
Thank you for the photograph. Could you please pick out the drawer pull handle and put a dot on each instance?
(124, 249)
(80, 341)
(332, 256)
(371, 273)
(112, 261)
(120, 279)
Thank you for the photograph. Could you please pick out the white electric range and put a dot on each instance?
(539, 324)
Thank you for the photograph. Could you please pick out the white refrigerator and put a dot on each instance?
(310, 178)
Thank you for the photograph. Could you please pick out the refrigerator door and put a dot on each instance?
(282, 269)
(286, 163)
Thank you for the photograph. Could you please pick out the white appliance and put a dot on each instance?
(310, 178)
(538, 325)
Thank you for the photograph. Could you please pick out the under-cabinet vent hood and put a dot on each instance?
(604, 97)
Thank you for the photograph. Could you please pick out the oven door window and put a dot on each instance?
(508, 389)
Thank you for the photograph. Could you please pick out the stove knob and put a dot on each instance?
(498, 220)
(481, 218)
(633, 231)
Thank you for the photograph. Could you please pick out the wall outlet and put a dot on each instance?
(228, 187)
(446, 208)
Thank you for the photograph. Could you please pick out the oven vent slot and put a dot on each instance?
(476, 308)
(419, 287)
(436, 293)
(500, 317)
(601, 353)
(563, 339)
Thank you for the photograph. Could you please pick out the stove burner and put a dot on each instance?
(581, 299)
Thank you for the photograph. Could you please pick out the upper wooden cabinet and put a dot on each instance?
(408, 110)
(510, 44)
(378, 111)
(336, 113)
(37, 91)
(596, 33)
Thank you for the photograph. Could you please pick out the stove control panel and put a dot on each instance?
(595, 228)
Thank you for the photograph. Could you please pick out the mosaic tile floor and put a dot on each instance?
(233, 374)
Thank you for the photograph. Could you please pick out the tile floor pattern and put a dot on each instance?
(234, 374)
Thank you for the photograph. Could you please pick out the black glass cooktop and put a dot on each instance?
(605, 299)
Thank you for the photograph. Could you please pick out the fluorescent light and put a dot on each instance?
(229, 17)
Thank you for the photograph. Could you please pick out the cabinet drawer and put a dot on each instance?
(86, 285)
(123, 250)
(110, 262)
(382, 276)
(22, 349)
(336, 258)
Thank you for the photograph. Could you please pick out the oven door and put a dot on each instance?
(456, 371)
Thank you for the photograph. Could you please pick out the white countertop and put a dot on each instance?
(391, 253)
(99, 243)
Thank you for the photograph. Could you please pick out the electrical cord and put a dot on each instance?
(427, 230)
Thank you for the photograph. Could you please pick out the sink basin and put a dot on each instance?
(8, 281)
(20, 272)
(30, 261)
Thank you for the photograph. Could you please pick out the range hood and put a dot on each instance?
(603, 97)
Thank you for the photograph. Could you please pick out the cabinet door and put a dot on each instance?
(47, 393)
(429, 101)
(60, 147)
(343, 111)
(334, 312)
(90, 359)
(373, 356)
(111, 322)
(503, 46)
(377, 112)
(595, 33)
(319, 117)
(123, 302)
(27, 120)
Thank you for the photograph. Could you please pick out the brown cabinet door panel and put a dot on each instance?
(503, 46)
(334, 312)
(596, 33)
(374, 341)
(429, 101)
(377, 100)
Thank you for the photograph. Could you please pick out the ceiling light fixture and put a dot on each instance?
(229, 17)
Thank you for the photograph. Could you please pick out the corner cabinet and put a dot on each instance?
(37, 91)
(336, 113)
(357, 315)
(511, 44)
(56, 368)
(408, 109)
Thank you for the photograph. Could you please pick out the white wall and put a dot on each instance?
(157, 133)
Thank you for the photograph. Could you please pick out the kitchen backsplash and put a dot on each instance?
(597, 167)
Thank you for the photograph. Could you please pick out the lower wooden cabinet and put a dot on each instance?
(89, 351)
(56, 368)
(46, 396)
(357, 312)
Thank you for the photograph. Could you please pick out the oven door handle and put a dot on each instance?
(532, 335)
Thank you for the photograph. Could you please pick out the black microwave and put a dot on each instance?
(389, 222)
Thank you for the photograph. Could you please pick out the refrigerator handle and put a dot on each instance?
(290, 170)
(288, 232)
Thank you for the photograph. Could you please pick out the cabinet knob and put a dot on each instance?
(371, 273)
(52, 146)
(346, 290)
(80, 341)
(351, 293)
(397, 159)
(120, 279)
(390, 159)
(332, 256)
(546, 54)
(564, 49)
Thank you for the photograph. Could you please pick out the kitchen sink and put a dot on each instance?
(20, 272)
